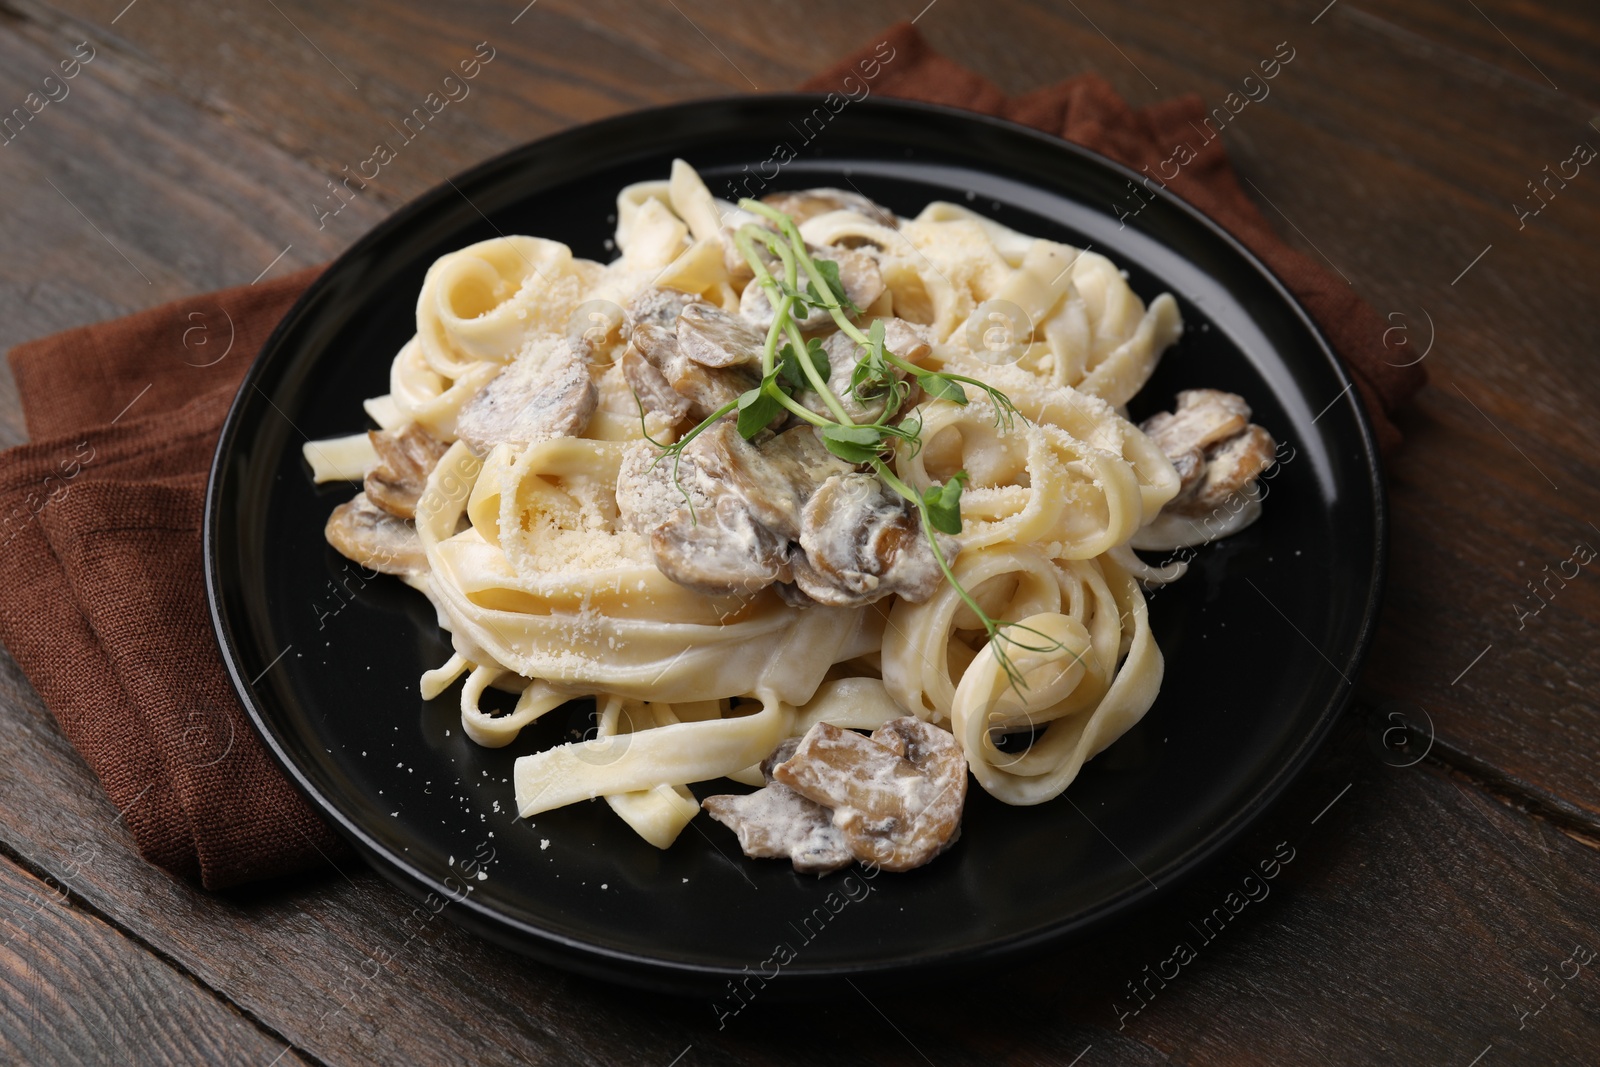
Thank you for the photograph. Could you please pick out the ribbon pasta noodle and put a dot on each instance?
(530, 545)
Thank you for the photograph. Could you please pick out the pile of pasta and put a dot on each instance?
(547, 595)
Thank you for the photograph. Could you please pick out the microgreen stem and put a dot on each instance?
(783, 304)
(996, 629)
(792, 405)
(824, 290)
(790, 249)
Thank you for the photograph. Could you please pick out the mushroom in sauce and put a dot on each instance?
(896, 795)
(656, 306)
(700, 531)
(892, 800)
(862, 543)
(806, 204)
(547, 392)
(858, 273)
(706, 388)
(651, 387)
(375, 538)
(720, 550)
(713, 338)
(775, 822)
(405, 459)
(1217, 451)
(775, 475)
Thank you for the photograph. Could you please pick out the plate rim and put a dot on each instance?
(654, 971)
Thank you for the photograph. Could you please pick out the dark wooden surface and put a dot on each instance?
(1422, 910)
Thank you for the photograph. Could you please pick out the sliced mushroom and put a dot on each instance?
(906, 340)
(775, 822)
(775, 476)
(656, 306)
(862, 543)
(896, 796)
(721, 514)
(805, 204)
(405, 459)
(706, 388)
(652, 489)
(1215, 448)
(720, 550)
(786, 748)
(1201, 418)
(701, 532)
(545, 393)
(713, 338)
(1230, 468)
(858, 273)
(655, 393)
(374, 538)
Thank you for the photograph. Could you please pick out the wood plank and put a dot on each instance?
(1545, 45)
(124, 196)
(76, 990)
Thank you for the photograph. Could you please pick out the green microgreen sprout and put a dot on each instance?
(793, 364)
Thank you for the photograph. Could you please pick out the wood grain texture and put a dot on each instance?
(193, 150)
(74, 990)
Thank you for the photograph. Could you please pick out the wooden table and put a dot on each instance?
(1432, 910)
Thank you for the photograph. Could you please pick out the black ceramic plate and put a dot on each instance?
(1259, 638)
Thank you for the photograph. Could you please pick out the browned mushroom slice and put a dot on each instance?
(897, 796)
(701, 533)
(720, 550)
(775, 822)
(655, 393)
(543, 394)
(364, 532)
(1201, 418)
(809, 203)
(405, 459)
(1215, 448)
(862, 542)
(786, 748)
(775, 476)
(653, 489)
(858, 273)
(713, 338)
(1230, 468)
(655, 306)
(706, 388)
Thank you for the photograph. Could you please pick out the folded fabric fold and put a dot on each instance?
(102, 599)
(103, 602)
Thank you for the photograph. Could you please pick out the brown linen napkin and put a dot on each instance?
(101, 594)
(102, 602)
(1087, 110)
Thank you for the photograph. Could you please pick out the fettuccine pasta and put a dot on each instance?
(551, 472)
